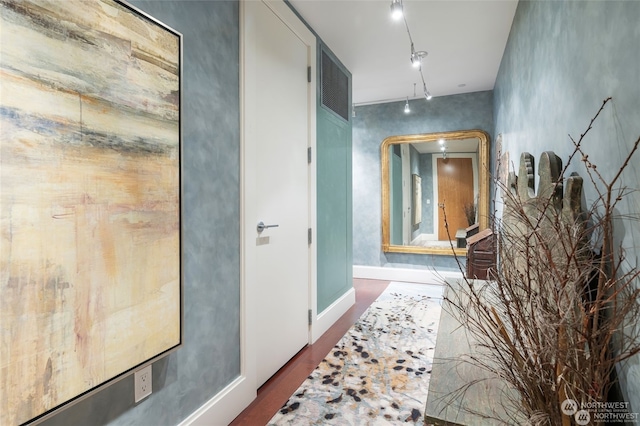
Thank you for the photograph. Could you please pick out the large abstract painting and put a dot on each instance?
(89, 199)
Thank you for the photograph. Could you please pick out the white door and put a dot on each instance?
(278, 136)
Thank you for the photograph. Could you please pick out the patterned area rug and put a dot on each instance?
(378, 373)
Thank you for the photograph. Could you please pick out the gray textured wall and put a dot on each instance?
(210, 357)
(374, 123)
(562, 60)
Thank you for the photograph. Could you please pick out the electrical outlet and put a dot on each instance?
(142, 383)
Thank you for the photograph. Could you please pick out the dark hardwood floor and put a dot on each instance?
(277, 390)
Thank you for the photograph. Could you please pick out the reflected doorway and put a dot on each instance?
(455, 192)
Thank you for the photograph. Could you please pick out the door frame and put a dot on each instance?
(248, 139)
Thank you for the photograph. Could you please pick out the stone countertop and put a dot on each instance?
(461, 393)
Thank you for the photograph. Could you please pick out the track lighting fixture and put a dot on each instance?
(427, 94)
(407, 110)
(396, 9)
(417, 56)
(443, 148)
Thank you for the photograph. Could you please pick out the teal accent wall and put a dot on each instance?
(334, 205)
(562, 59)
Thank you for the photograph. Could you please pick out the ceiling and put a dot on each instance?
(465, 40)
(458, 145)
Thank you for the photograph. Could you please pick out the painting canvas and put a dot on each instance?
(89, 199)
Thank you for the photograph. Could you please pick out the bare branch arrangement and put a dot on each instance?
(470, 212)
(551, 319)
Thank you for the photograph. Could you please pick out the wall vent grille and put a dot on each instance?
(335, 87)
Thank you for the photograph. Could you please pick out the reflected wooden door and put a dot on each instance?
(455, 189)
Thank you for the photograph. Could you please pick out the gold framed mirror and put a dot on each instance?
(421, 173)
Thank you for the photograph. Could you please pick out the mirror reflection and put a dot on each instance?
(423, 173)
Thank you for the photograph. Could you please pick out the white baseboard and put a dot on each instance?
(329, 316)
(422, 276)
(225, 406)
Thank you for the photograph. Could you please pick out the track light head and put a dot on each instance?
(407, 110)
(417, 57)
(396, 9)
(415, 60)
(427, 94)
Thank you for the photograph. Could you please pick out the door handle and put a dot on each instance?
(261, 226)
